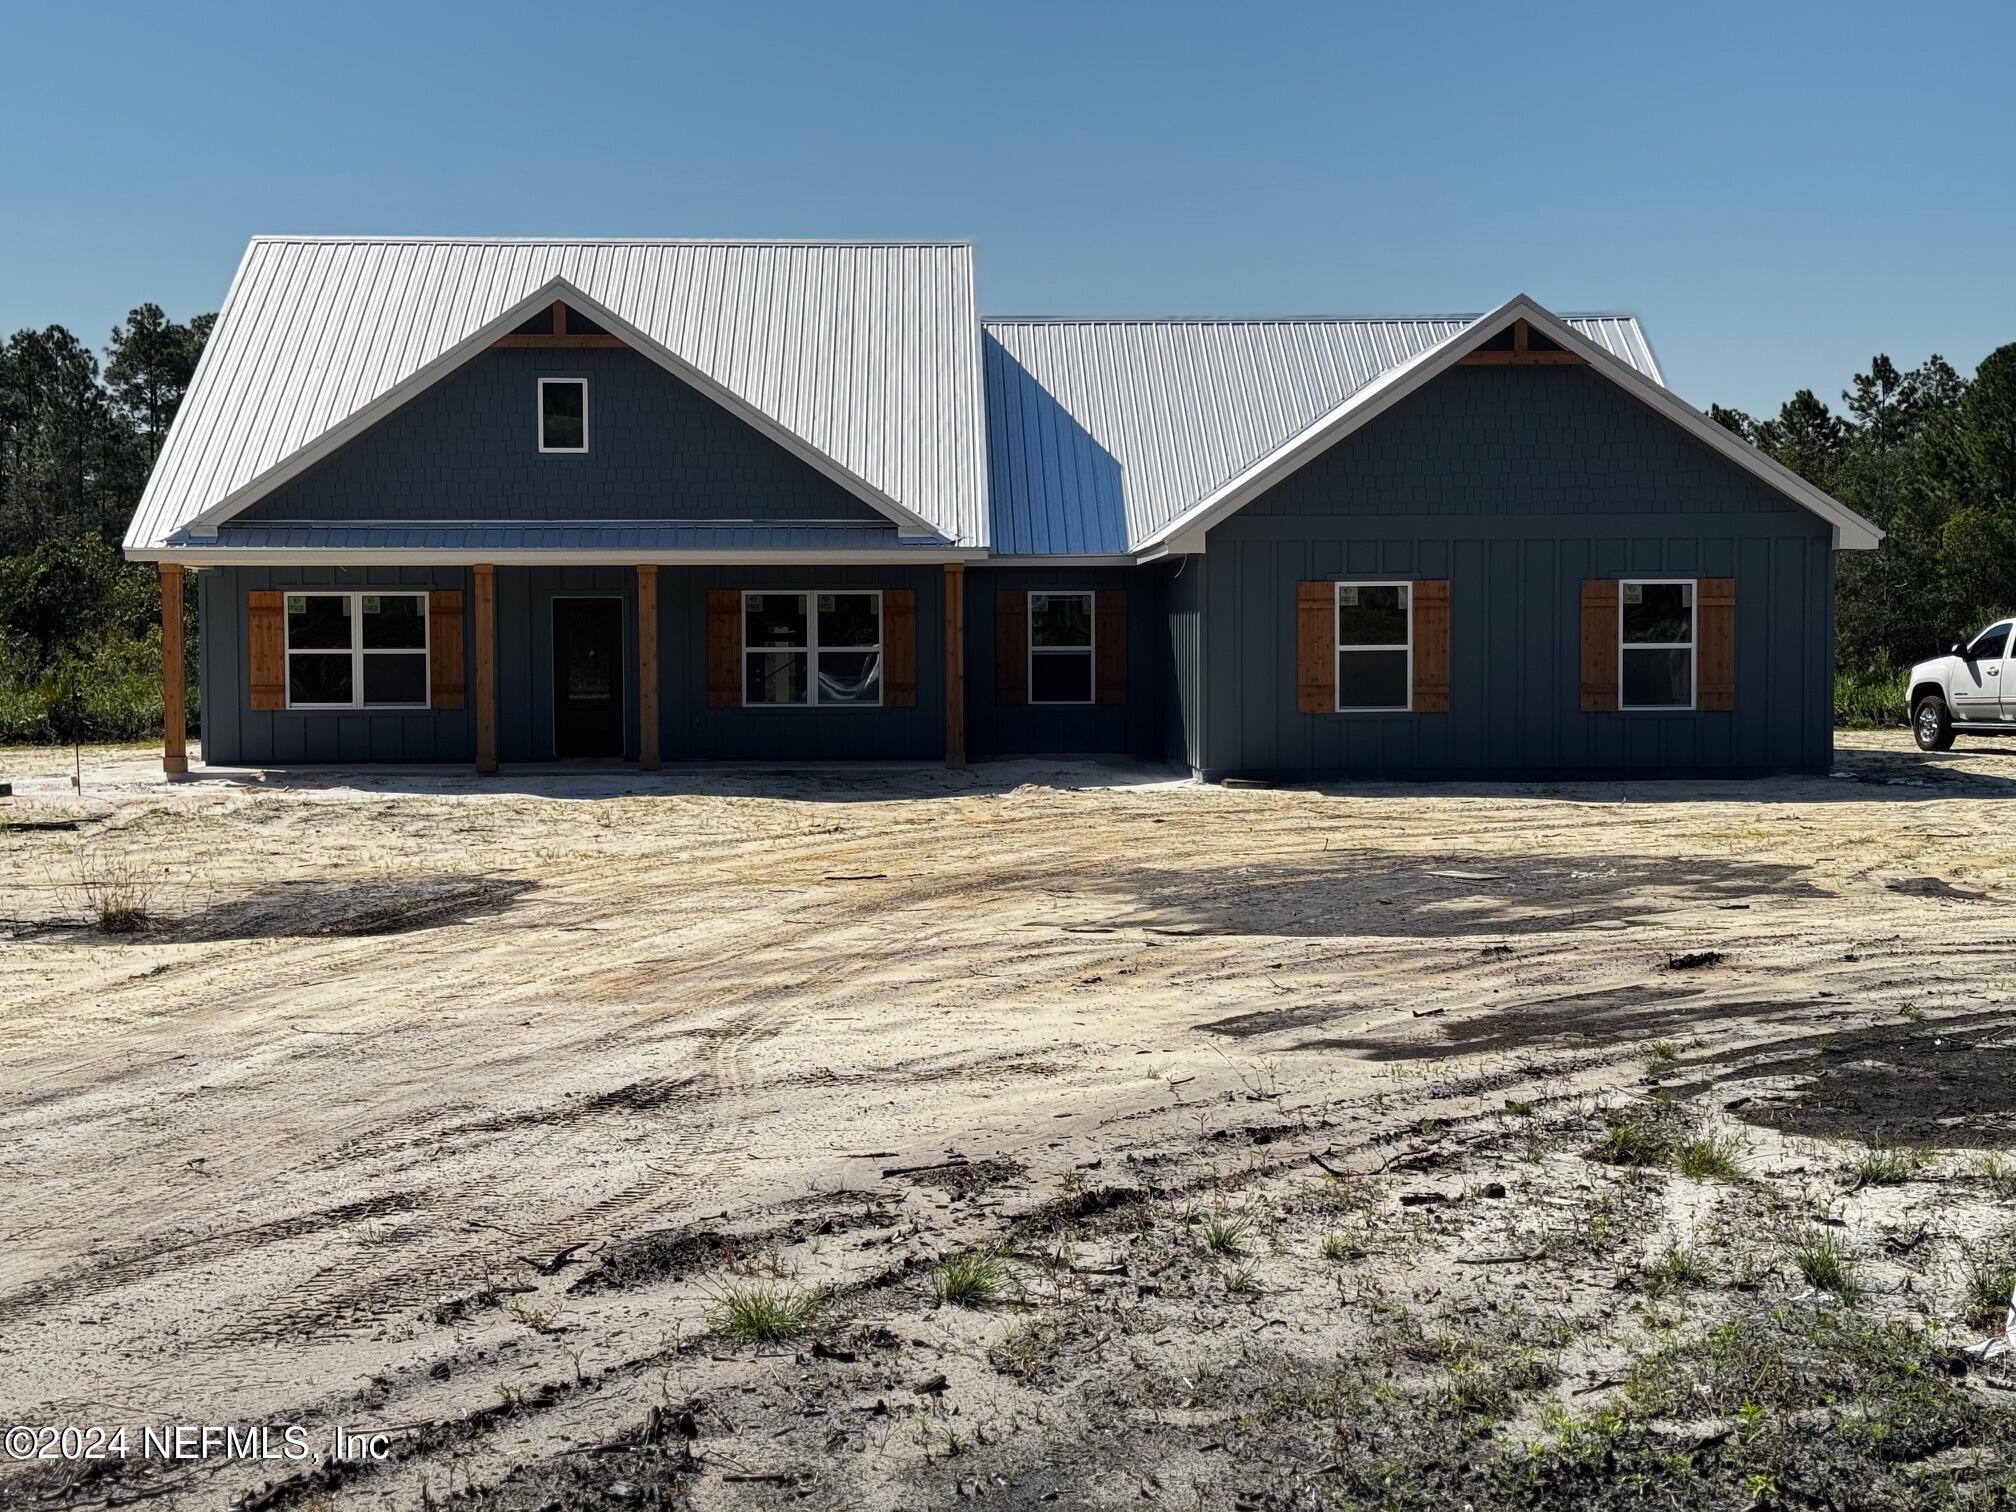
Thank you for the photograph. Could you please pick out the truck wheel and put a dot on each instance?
(1931, 725)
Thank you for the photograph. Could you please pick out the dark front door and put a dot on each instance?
(587, 677)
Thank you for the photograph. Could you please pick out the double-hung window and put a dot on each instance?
(563, 414)
(1375, 647)
(356, 650)
(1060, 648)
(812, 648)
(1655, 652)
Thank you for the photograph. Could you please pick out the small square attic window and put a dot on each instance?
(563, 414)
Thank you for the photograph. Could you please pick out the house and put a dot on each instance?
(510, 501)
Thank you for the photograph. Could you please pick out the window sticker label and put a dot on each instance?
(1348, 596)
(1634, 593)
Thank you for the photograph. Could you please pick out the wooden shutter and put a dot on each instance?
(724, 648)
(1316, 647)
(266, 629)
(1110, 635)
(1715, 638)
(445, 658)
(1011, 646)
(899, 648)
(1431, 645)
(1599, 645)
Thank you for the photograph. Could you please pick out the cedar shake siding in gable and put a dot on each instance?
(468, 449)
(1516, 485)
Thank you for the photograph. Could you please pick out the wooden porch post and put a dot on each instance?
(955, 664)
(647, 668)
(174, 681)
(486, 668)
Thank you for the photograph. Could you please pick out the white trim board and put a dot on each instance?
(1187, 531)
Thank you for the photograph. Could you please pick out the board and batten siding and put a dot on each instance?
(693, 730)
(235, 734)
(996, 727)
(1516, 484)
(468, 449)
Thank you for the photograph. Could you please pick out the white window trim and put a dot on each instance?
(539, 419)
(812, 648)
(358, 651)
(1338, 648)
(1090, 650)
(1691, 646)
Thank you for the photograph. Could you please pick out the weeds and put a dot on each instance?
(1988, 1278)
(1998, 1175)
(765, 1314)
(117, 889)
(1519, 1107)
(1888, 1165)
(1241, 1280)
(1661, 1057)
(1710, 1157)
(1827, 1265)
(975, 1280)
(1676, 1269)
(1224, 1235)
(1632, 1142)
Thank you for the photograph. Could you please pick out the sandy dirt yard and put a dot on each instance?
(1036, 1135)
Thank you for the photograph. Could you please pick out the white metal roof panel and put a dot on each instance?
(1101, 432)
(865, 352)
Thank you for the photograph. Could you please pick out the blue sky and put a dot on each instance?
(1778, 190)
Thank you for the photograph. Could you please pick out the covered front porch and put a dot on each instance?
(512, 662)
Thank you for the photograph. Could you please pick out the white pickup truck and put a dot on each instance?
(1971, 690)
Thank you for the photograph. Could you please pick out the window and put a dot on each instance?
(812, 648)
(1060, 648)
(1990, 643)
(1656, 651)
(563, 414)
(1375, 647)
(356, 650)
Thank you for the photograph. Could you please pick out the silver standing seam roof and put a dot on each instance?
(1005, 437)
(863, 355)
(1101, 432)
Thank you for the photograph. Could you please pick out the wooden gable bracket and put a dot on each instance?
(558, 337)
(1521, 354)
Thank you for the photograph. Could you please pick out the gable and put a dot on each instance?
(466, 449)
(1528, 440)
(858, 357)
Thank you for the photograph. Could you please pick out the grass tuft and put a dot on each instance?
(1677, 1269)
(1224, 1235)
(975, 1280)
(765, 1314)
(1710, 1157)
(1988, 1277)
(1632, 1142)
(1828, 1265)
(1889, 1165)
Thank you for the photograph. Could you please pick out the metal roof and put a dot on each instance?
(1102, 432)
(863, 355)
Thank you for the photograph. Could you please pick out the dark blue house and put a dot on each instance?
(518, 501)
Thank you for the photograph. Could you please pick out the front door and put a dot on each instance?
(588, 677)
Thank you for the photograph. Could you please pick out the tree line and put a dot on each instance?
(1927, 454)
(1930, 457)
(80, 631)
